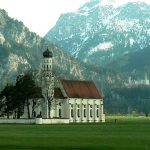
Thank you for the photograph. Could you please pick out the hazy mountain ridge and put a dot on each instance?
(100, 34)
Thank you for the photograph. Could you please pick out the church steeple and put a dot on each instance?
(47, 63)
(47, 83)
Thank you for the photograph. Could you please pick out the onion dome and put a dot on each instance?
(47, 54)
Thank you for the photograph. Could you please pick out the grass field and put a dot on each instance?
(123, 134)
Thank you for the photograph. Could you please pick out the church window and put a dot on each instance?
(72, 113)
(78, 112)
(97, 112)
(84, 112)
(91, 113)
(60, 113)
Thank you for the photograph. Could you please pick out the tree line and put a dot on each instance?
(137, 98)
(13, 98)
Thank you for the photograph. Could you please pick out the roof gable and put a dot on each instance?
(81, 89)
(58, 93)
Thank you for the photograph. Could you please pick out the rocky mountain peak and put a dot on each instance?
(98, 33)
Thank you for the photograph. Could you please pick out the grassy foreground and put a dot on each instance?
(124, 134)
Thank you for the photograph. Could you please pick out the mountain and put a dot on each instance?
(100, 34)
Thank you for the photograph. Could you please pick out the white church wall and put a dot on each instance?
(86, 110)
(77, 110)
(61, 108)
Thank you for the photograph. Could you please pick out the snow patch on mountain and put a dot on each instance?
(132, 41)
(101, 47)
(2, 39)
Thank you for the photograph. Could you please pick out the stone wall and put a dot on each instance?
(17, 121)
(34, 121)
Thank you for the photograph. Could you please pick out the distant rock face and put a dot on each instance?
(100, 34)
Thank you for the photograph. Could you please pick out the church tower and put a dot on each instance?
(47, 64)
(47, 84)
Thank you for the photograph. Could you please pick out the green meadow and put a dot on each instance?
(118, 133)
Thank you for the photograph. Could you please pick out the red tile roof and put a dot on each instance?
(81, 89)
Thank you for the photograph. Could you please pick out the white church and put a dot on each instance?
(69, 100)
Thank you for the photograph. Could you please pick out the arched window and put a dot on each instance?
(84, 112)
(78, 113)
(97, 113)
(72, 113)
(59, 113)
(47, 67)
(91, 113)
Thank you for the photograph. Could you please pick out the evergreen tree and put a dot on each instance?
(25, 85)
(6, 100)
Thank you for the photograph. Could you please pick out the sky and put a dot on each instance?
(41, 15)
